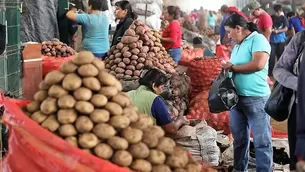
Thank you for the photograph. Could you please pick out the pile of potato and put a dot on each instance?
(187, 24)
(56, 48)
(139, 47)
(84, 104)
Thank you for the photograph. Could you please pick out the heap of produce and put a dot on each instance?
(187, 24)
(84, 104)
(139, 47)
(56, 48)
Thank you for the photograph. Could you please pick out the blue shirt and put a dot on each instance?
(295, 23)
(212, 20)
(252, 84)
(279, 22)
(222, 27)
(160, 113)
(95, 28)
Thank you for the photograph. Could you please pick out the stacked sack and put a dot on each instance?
(176, 94)
(83, 104)
(56, 48)
(202, 72)
(139, 47)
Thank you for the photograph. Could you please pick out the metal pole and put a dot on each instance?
(293, 5)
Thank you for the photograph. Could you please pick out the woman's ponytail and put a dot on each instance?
(252, 27)
(133, 15)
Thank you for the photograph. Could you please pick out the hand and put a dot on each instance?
(227, 65)
(274, 31)
(183, 120)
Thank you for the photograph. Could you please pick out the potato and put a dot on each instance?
(156, 157)
(124, 49)
(122, 65)
(67, 130)
(33, 107)
(40, 96)
(68, 67)
(84, 57)
(119, 70)
(106, 78)
(141, 60)
(131, 67)
(72, 82)
(127, 77)
(51, 123)
(166, 145)
(92, 83)
(127, 54)
(83, 124)
(103, 150)
(72, 140)
(141, 165)
(113, 67)
(131, 114)
(142, 55)
(144, 49)
(128, 72)
(151, 140)
(104, 131)
(43, 86)
(178, 159)
(130, 32)
(122, 100)
(87, 70)
(134, 57)
(99, 100)
(135, 51)
(117, 56)
(180, 170)
(84, 107)
(49, 106)
(148, 63)
(140, 66)
(114, 108)
(161, 168)
(133, 45)
(156, 130)
(54, 77)
(132, 135)
(119, 122)
(122, 158)
(116, 52)
(137, 72)
(139, 150)
(100, 116)
(66, 116)
(117, 143)
(39, 117)
(57, 91)
(88, 140)
(82, 94)
(66, 102)
(143, 122)
(133, 62)
(129, 39)
(119, 76)
(126, 61)
(119, 46)
(109, 91)
(99, 64)
(193, 167)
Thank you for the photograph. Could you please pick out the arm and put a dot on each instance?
(285, 24)
(173, 34)
(71, 15)
(267, 25)
(282, 71)
(260, 55)
(163, 119)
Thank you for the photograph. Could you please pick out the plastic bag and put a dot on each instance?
(52, 63)
(35, 149)
(222, 95)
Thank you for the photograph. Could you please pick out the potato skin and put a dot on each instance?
(49, 106)
(54, 77)
(166, 145)
(83, 124)
(161, 168)
(39, 117)
(117, 143)
(141, 165)
(99, 100)
(114, 108)
(71, 82)
(103, 150)
(66, 102)
(67, 130)
(57, 91)
(122, 158)
(82, 94)
(119, 122)
(40, 96)
(139, 150)
(92, 83)
(33, 107)
(84, 107)
(72, 140)
(156, 157)
(178, 159)
(87, 140)
(88, 70)
(66, 116)
(84, 57)
(104, 131)
(100, 116)
(132, 135)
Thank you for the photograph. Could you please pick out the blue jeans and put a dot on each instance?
(250, 114)
(175, 53)
(101, 56)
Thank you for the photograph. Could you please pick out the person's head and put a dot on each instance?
(123, 10)
(154, 79)
(223, 10)
(238, 27)
(211, 13)
(290, 14)
(278, 9)
(172, 13)
(94, 5)
(255, 8)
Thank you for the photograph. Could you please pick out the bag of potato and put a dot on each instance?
(52, 63)
(200, 142)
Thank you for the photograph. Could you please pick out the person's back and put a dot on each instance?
(95, 29)
(296, 24)
(212, 20)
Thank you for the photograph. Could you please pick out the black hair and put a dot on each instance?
(238, 20)
(153, 76)
(277, 8)
(290, 14)
(224, 8)
(173, 11)
(96, 4)
(125, 5)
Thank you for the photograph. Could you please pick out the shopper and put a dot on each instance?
(95, 28)
(124, 13)
(263, 19)
(172, 35)
(148, 101)
(223, 11)
(278, 36)
(212, 20)
(286, 72)
(249, 67)
(295, 22)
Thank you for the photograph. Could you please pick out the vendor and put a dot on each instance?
(124, 14)
(172, 35)
(95, 27)
(148, 101)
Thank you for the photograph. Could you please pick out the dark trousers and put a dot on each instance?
(292, 137)
(276, 51)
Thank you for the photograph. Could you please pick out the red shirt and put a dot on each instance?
(264, 21)
(174, 32)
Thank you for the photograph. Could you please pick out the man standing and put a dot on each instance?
(295, 22)
(223, 11)
(278, 36)
(263, 19)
